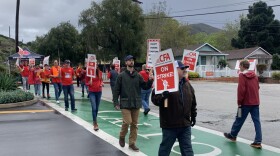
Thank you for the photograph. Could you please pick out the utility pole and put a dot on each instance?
(17, 21)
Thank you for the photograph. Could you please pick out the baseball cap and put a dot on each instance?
(128, 57)
(179, 64)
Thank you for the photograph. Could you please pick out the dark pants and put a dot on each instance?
(69, 90)
(47, 85)
(78, 81)
(169, 136)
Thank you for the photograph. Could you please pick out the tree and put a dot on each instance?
(259, 29)
(275, 62)
(60, 42)
(114, 28)
(171, 33)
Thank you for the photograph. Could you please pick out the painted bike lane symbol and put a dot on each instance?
(215, 150)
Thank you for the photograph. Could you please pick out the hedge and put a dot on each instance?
(15, 96)
(193, 75)
(276, 75)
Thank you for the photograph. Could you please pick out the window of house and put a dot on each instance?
(203, 60)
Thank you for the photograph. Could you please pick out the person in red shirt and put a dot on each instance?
(248, 102)
(67, 76)
(78, 74)
(145, 93)
(37, 80)
(95, 92)
(45, 78)
(24, 71)
(31, 76)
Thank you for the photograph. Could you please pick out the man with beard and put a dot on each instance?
(128, 87)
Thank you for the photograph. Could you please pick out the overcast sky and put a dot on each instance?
(37, 17)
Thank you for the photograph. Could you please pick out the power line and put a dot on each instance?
(202, 14)
(218, 6)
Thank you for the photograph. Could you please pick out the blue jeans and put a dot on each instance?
(25, 85)
(169, 136)
(69, 90)
(37, 88)
(145, 94)
(83, 87)
(94, 98)
(57, 90)
(239, 121)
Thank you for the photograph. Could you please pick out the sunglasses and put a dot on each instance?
(182, 68)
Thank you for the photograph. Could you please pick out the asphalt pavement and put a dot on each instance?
(39, 130)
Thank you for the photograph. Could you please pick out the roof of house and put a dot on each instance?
(246, 53)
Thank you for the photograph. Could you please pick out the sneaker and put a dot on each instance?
(57, 102)
(122, 142)
(66, 109)
(147, 111)
(134, 148)
(74, 110)
(230, 137)
(256, 145)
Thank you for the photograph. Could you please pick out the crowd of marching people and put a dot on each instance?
(131, 91)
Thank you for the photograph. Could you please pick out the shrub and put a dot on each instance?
(276, 75)
(193, 75)
(7, 82)
(15, 96)
(261, 68)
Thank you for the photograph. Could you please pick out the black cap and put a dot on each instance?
(128, 57)
(179, 64)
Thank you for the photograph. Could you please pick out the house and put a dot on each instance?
(208, 54)
(262, 56)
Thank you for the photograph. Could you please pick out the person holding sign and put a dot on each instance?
(67, 75)
(95, 91)
(176, 119)
(24, 71)
(248, 102)
(128, 88)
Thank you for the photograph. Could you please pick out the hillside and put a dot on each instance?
(201, 27)
(7, 47)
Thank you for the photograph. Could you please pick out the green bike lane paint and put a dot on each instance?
(205, 142)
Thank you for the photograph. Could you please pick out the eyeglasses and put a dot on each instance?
(182, 68)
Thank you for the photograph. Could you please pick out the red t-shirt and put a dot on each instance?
(145, 75)
(25, 71)
(67, 75)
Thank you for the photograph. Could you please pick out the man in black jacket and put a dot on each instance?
(176, 119)
(128, 88)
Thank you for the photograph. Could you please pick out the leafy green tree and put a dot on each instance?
(113, 28)
(259, 29)
(275, 62)
(171, 33)
(60, 42)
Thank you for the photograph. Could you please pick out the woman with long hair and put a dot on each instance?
(95, 92)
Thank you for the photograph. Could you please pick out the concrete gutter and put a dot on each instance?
(19, 104)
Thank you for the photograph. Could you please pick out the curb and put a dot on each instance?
(19, 104)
